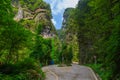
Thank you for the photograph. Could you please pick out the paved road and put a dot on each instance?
(75, 72)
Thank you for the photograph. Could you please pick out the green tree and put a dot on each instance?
(15, 40)
(5, 12)
(42, 49)
(98, 34)
(96, 23)
(13, 37)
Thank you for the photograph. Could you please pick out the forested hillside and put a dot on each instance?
(26, 39)
(90, 35)
(67, 34)
(31, 13)
(97, 24)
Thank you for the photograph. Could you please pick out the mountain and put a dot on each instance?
(67, 34)
(31, 13)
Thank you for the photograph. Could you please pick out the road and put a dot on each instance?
(74, 72)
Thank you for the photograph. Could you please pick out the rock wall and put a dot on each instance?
(67, 35)
(66, 17)
(32, 18)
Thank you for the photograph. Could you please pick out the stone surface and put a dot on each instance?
(34, 18)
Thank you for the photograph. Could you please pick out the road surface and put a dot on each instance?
(74, 72)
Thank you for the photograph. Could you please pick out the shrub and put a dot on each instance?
(27, 69)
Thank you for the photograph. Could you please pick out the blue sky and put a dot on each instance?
(58, 7)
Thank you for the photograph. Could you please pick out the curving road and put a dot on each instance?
(74, 72)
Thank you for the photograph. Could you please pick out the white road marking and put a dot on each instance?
(53, 73)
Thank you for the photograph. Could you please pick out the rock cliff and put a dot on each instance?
(66, 34)
(32, 13)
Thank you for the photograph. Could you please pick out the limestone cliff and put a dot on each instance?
(66, 17)
(32, 13)
(66, 34)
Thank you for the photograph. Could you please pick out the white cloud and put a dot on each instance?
(62, 18)
(58, 5)
(54, 22)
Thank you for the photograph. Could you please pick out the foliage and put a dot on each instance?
(5, 12)
(104, 74)
(56, 48)
(98, 35)
(42, 48)
(23, 70)
(68, 32)
(29, 24)
(13, 38)
(15, 45)
(65, 55)
(34, 4)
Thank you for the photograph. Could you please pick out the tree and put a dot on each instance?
(13, 37)
(98, 34)
(42, 49)
(5, 12)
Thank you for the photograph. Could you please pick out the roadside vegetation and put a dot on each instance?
(91, 36)
(96, 24)
(24, 52)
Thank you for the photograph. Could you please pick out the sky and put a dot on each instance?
(58, 7)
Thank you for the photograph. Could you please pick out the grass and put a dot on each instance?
(103, 73)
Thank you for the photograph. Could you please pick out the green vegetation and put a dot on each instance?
(23, 50)
(68, 33)
(34, 4)
(42, 48)
(66, 54)
(17, 44)
(90, 35)
(97, 26)
(27, 69)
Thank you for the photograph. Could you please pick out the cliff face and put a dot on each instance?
(66, 17)
(31, 17)
(66, 34)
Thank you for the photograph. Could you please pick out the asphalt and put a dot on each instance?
(74, 72)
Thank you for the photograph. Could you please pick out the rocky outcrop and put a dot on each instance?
(64, 33)
(19, 15)
(47, 33)
(32, 18)
(67, 33)
(66, 17)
